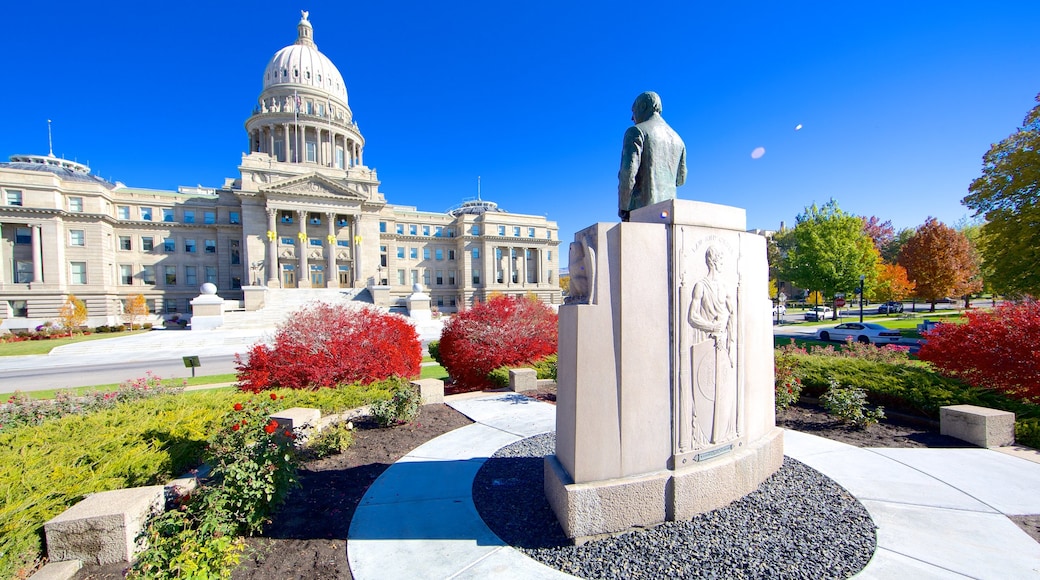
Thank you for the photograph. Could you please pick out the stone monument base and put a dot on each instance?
(587, 511)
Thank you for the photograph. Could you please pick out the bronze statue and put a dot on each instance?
(653, 158)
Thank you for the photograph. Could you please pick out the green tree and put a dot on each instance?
(828, 250)
(73, 313)
(938, 260)
(1008, 195)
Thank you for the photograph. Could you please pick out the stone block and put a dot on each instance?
(104, 527)
(978, 425)
(58, 570)
(432, 390)
(523, 380)
(587, 511)
(302, 418)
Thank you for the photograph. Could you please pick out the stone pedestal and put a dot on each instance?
(419, 305)
(207, 309)
(665, 380)
(255, 297)
(380, 295)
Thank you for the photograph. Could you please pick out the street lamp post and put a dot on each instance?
(861, 278)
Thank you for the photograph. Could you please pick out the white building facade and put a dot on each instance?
(305, 212)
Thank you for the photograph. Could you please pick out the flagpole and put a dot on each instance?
(296, 115)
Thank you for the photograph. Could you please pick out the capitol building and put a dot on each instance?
(305, 212)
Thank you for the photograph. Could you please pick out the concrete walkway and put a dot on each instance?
(941, 513)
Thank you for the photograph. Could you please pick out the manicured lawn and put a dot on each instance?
(45, 346)
(191, 382)
(433, 372)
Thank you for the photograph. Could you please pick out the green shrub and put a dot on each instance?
(402, 406)
(786, 383)
(545, 367)
(332, 440)
(850, 405)
(180, 546)
(434, 348)
(1027, 432)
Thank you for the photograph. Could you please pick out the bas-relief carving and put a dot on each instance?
(581, 261)
(708, 342)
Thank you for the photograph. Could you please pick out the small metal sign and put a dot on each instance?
(191, 362)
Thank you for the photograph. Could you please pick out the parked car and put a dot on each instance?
(865, 332)
(819, 313)
(890, 307)
(781, 308)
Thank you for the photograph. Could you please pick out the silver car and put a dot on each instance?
(865, 332)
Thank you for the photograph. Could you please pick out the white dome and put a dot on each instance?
(302, 64)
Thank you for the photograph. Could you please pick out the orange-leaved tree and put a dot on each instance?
(73, 313)
(892, 283)
(939, 260)
(136, 309)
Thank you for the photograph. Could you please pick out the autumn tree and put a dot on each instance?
(827, 250)
(880, 232)
(890, 253)
(136, 309)
(892, 283)
(938, 260)
(565, 283)
(1008, 195)
(73, 313)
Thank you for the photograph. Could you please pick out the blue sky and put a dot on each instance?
(898, 101)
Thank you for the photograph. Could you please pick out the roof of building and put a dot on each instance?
(66, 170)
(301, 63)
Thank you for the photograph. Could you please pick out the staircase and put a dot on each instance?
(281, 302)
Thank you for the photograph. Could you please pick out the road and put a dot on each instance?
(87, 373)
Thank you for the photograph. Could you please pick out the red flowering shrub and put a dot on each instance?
(325, 345)
(502, 331)
(998, 350)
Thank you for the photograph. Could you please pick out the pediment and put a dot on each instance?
(314, 184)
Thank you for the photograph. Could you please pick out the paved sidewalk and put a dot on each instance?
(941, 513)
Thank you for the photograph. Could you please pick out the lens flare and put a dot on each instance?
(758, 152)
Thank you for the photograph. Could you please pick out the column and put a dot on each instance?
(287, 142)
(332, 276)
(356, 241)
(270, 141)
(522, 266)
(37, 254)
(3, 264)
(304, 274)
(360, 155)
(271, 258)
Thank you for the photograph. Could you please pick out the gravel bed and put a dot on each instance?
(798, 524)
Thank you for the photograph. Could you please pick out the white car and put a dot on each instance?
(865, 332)
(781, 308)
(819, 313)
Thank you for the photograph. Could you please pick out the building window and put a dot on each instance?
(439, 254)
(234, 218)
(415, 277)
(476, 277)
(146, 214)
(382, 256)
(287, 217)
(76, 204)
(171, 276)
(19, 308)
(312, 148)
(78, 272)
(548, 234)
(189, 216)
(22, 236)
(548, 255)
(400, 252)
(123, 212)
(426, 278)
(426, 253)
(530, 232)
(169, 245)
(23, 271)
(209, 246)
(382, 227)
(209, 217)
(440, 277)
(400, 229)
(438, 231)
(211, 274)
(287, 241)
(236, 254)
(400, 277)
(147, 243)
(124, 243)
(426, 230)
(501, 230)
(191, 278)
(77, 238)
(343, 243)
(451, 255)
(475, 230)
(236, 282)
(315, 242)
(451, 277)
(413, 230)
(413, 253)
(14, 197)
(148, 275)
(150, 305)
(170, 305)
(189, 246)
(167, 214)
(314, 219)
(126, 274)
(476, 253)
(516, 231)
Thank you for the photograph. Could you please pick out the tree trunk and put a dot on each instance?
(932, 309)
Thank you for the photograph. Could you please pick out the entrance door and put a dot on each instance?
(317, 276)
(288, 276)
(344, 277)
